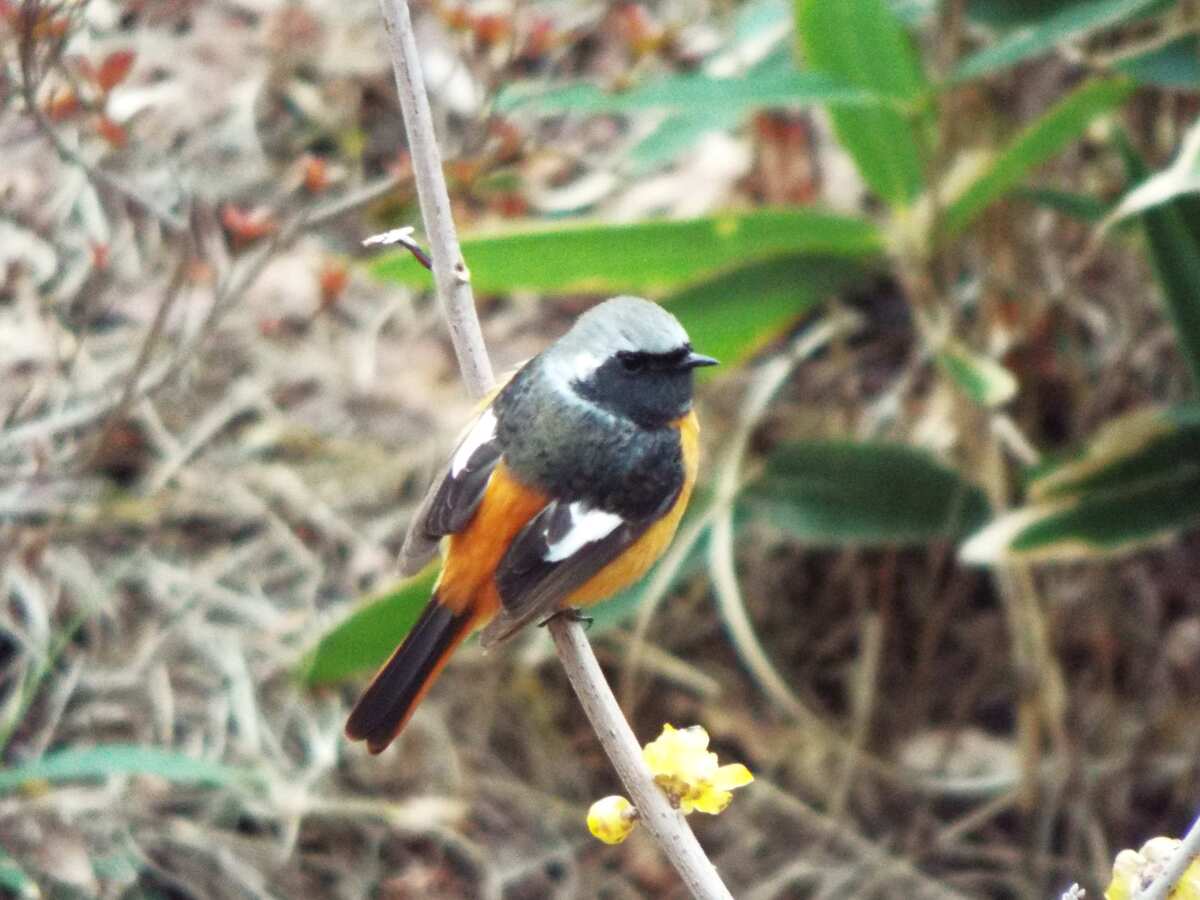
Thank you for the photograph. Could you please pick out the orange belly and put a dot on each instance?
(473, 554)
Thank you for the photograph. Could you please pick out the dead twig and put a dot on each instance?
(1185, 854)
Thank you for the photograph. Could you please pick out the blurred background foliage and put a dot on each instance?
(939, 587)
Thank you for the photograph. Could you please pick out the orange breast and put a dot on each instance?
(473, 554)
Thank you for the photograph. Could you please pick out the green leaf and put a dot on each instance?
(1142, 445)
(839, 492)
(775, 82)
(124, 759)
(1175, 254)
(1066, 23)
(1137, 480)
(735, 314)
(363, 640)
(645, 257)
(14, 881)
(1036, 144)
(1175, 66)
(1076, 206)
(676, 134)
(983, 380)
(861, 43)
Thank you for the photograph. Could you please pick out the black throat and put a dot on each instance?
(651, 389)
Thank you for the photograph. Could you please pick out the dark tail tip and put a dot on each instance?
(388, 702)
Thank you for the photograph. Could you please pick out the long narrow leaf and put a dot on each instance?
(1175, 254)
(646, 257)
(837, 492)
(860, 42)
(1036, 144)
(735, 314)
(778, 84)
(1137, 479)
(1069, 22)
(124, 759)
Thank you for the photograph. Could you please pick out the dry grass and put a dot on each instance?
(202, 466)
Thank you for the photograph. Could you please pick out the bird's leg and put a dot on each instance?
(569, 612)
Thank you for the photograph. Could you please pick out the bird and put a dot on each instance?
(566, 488)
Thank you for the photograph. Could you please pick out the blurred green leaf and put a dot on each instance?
(14, 881)
(1036, 144)
(1175, 254)
(1066, 22)
(861, 43)
(912, 12)
(1175, 66)
(1138, 479)
(1142, 445)
(1002, 14)
(839, 492)
(124, 759)
(735, 314)
(367, 637)
(1076, 206)
(698, 103)
(774, 82)
(644, 257)
(983, 380)
(676, 134)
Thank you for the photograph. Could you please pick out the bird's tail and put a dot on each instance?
(388, 702)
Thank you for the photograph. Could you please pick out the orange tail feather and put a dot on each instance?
(385, 707)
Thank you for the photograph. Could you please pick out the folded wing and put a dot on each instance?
(560, 550)
(455, 494)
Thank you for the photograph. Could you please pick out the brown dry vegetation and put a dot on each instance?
(210, 446)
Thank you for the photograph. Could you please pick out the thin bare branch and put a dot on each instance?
(452, 280)
(1185, 854)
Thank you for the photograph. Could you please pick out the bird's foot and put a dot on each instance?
(571, 614)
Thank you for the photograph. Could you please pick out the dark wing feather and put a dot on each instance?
(454, 496)
(533, 585)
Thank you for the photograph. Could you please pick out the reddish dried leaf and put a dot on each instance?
(247, 225)
(63, 104)
(541, 39)
(333, 279)
(457, 18)
(316, 174)
(100, 254)
(112, 132)
(491, 29)
(638, 28)
(114, 69)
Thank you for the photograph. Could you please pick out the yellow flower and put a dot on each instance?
(687, 771)
(1134, 870)
(611, 819)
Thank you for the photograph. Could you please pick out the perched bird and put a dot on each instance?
(565, 489)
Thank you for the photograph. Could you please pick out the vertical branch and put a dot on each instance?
(450, 274)
(452, 279)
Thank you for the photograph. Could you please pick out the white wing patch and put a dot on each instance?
(587, 526)
(481, 432)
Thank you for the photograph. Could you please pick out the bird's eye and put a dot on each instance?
(631, 362)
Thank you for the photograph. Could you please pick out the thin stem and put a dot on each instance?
(665, 823)
(1185, 854)
(452, 280)
(450, 274)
